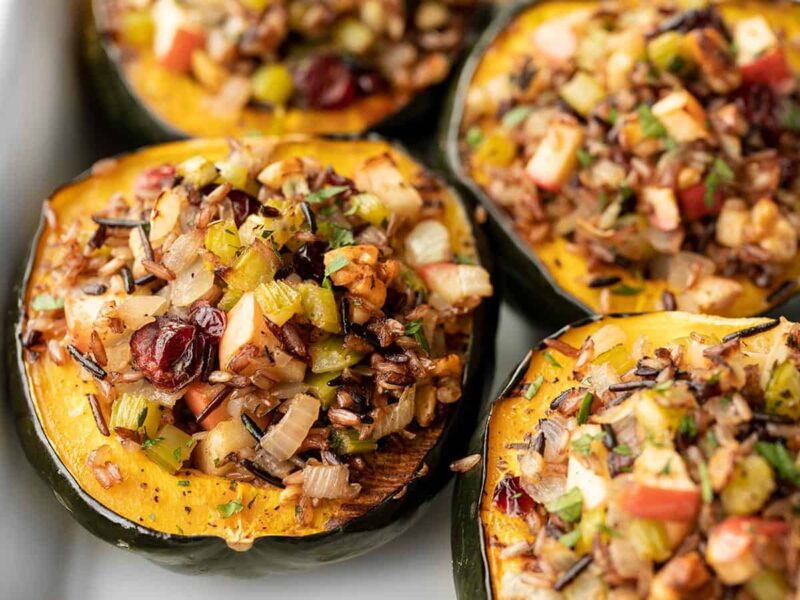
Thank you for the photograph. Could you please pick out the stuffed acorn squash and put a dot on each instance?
(268, 345)
(637, 156)
(165, 69)
(650, 456)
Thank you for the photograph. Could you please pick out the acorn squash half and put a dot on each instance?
(181, 521)
(491, 540)
(551, 270)
(148, 103)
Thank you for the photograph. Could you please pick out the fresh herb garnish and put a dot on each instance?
(705, 483)
(583, 444)
(474, 136)
(337, 264)
(515, 116)
(184, 482)
(586, 405)
(141, 417)
(230, 508)
(651, 126)
(687, 426)
(711, 440)
(790, 117)
(47, 302)
(533, 387)
(720, 172)
(623, 450)
(551, 359)
(623, 289)
(567, 506)
(663, 386)
(414, 329)
(150, 442)
(463, 259)
(341, 236)
(665, 470)
(585, 158)
(609, 531)
(613, 115)
(781, 460)
(325, 193)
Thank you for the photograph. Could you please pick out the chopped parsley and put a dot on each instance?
(790, 117)
(551, 359)
(329, 191)
(687, 426)
(613, 115)
(414, 329)
(230, 508)
(337, 264)
(609, 531)
(586, 405)
(47, 303)
(651, 126)
(184, 482)
(583, 444)
(515, 116)
(571, 538)
(623, 289)
(781, 460)
(720, 172)
(150, 442)
(705, 483)
(341, 236)
(585, 158)
(711, 440)
(141, 417)
(463, 259)
(623, 450)
(474, 136)
(567, 506)
(533, 387)
(665, 470)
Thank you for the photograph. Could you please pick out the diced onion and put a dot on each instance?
(454, 283)
(273, 466)
(397, 416)
(191, 284)
(542, 481)
(284, 391)
(137, 311)
(283, 440)
(607, 337)
(682, 268)
(601, 377)
(328, 481)
(183, 251)
(556, 436)
(428, 242)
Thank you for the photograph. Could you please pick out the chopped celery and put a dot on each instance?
(279, 301)
(229, 299)
(583, 92)
(198, 171)
(136, 413)
(353, 35)
(767, 585)
(331, 355)
(319, 307)
(783, 391)
(222, 239)
(668, 52)
(749, 487)
(257, 264)
(345, 441)
(497, 149)
(237, 175)
(592, 47)
(170, 448)
(618, 358)
(591, 523)
(272, 84)
(318, 386)
(659, 422)
(370, 208)
(649, 539)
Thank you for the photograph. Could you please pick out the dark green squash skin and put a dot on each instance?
(137, 125)
(467, 539)
(271, 554)
(535, 290)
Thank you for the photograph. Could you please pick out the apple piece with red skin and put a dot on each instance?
(693, 202)
(555, 158)
(660, 503)
(772, 69)
(176, 37)
(199, 395)
(737, 545)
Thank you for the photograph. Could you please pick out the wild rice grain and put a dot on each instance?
(97, 413)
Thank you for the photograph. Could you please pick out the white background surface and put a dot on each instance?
(45, 139)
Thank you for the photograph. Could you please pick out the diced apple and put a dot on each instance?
(732, 224)
(428, 242)
(664, 215)
(176, 36)
(555, 157)
(199, 395)
(226, 437)
(454, 283)
(753, 38)
(245, 327)
(630, 47)
(380, 176)
(710, 295)
(556, 40)
(80, 312)
(586, 473)
(166, 213)
(583, 92)
(682, 116)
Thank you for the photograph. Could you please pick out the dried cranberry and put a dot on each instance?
(370, 82)
(327, 82)
(169, 352)
(308, 261)
(243, 204)
(760, 107)
(210, 320)
(332, 178)
(155, 179)
(511, 498)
